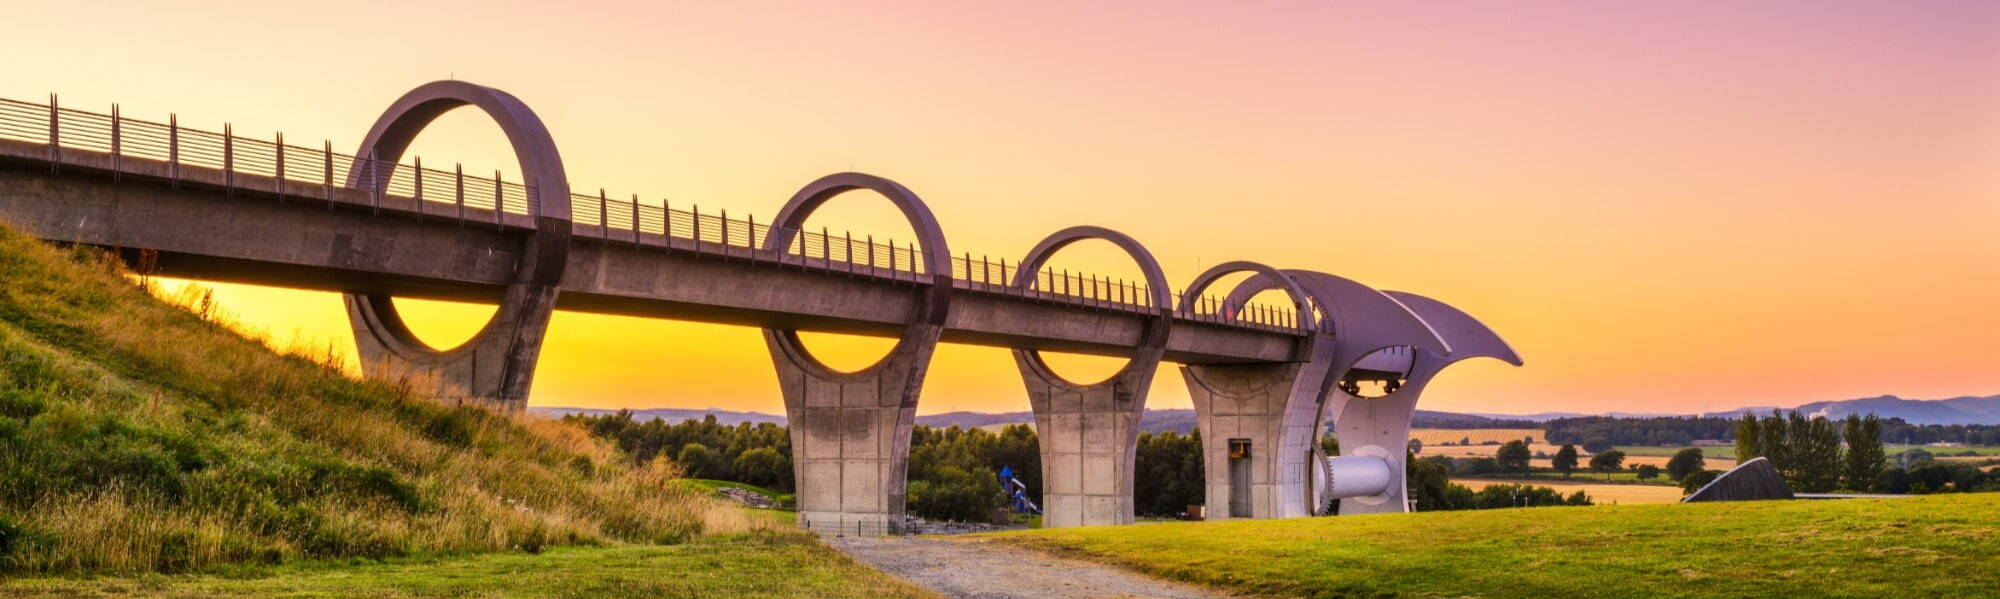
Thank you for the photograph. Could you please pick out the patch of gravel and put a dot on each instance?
(985, 569)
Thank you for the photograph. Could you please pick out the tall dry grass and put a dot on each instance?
(148, 436)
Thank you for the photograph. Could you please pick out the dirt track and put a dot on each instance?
(989, 570)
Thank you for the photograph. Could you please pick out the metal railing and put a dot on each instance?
(449, 194)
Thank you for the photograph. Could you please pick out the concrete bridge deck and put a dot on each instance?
(183, 202)
(206, 224)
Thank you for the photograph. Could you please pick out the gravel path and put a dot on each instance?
(984, 569)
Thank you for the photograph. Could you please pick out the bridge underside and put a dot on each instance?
(195, 230)
(1258, 388)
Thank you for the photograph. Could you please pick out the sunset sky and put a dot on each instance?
(1665, 207)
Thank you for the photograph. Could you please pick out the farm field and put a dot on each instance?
(1601, 493)
(1440, 436)
(1929, 546)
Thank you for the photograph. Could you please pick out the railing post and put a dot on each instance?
(696, 226)
(635, 219)
(278, 172)
(849, 252)
(117, 145)
(603, 222)
(499, 202)
(417, 179)
(871, 254)
(458, 190)
(374, 178)
(55, 136)
(825, 249)
(229, 158)
(327, 186)
(725, 232)
(750, 225)
(174, 149)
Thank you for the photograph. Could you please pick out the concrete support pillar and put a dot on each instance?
(495, 367)
(498, 364)
(1090, 433)
(851, 430)
(851, 433)
(1268, 409)
(1089, 440)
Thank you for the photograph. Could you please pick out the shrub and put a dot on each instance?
(952, 493)
(1698, 479)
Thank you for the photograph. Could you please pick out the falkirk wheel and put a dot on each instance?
(1397, 362)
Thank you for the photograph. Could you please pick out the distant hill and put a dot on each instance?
(670, 415)
(1957, 410)
(1961, 410)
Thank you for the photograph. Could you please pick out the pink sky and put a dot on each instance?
(1663, 207)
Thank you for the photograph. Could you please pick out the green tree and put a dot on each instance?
(1646, 472)
(1430, 484)
(1748, 445)
(952, 493)
(1862, 470)
(1607, 462)
(1691, 460)
(764, 466)
(1565, 460)
(1774, 441)
(1815, 454)
(1513, 456)
(701, 462)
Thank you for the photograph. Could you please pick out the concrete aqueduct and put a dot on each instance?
(185, 202)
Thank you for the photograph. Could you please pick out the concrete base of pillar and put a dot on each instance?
(850, 434)
(1271, 410)
(1089, 440)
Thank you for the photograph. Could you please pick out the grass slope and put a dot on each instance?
(1931, 546)
(138, 436)
(759, 565)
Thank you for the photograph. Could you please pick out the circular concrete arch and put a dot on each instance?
(1150, 346)
(932, 305)
(541, 169)
(1301, 301)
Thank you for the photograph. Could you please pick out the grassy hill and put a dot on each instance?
(146, 447)
(140, 436)
(1929, 546)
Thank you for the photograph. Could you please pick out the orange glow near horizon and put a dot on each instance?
(1663, 208)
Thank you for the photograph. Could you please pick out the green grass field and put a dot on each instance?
(758, 565)
(1930, 546)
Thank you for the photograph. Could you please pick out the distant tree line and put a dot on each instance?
(1817, 455)
(1432, 489)
(1598, 433)
(953, 472)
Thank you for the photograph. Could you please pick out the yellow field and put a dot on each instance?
(1601, 493)
(1440, 436)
